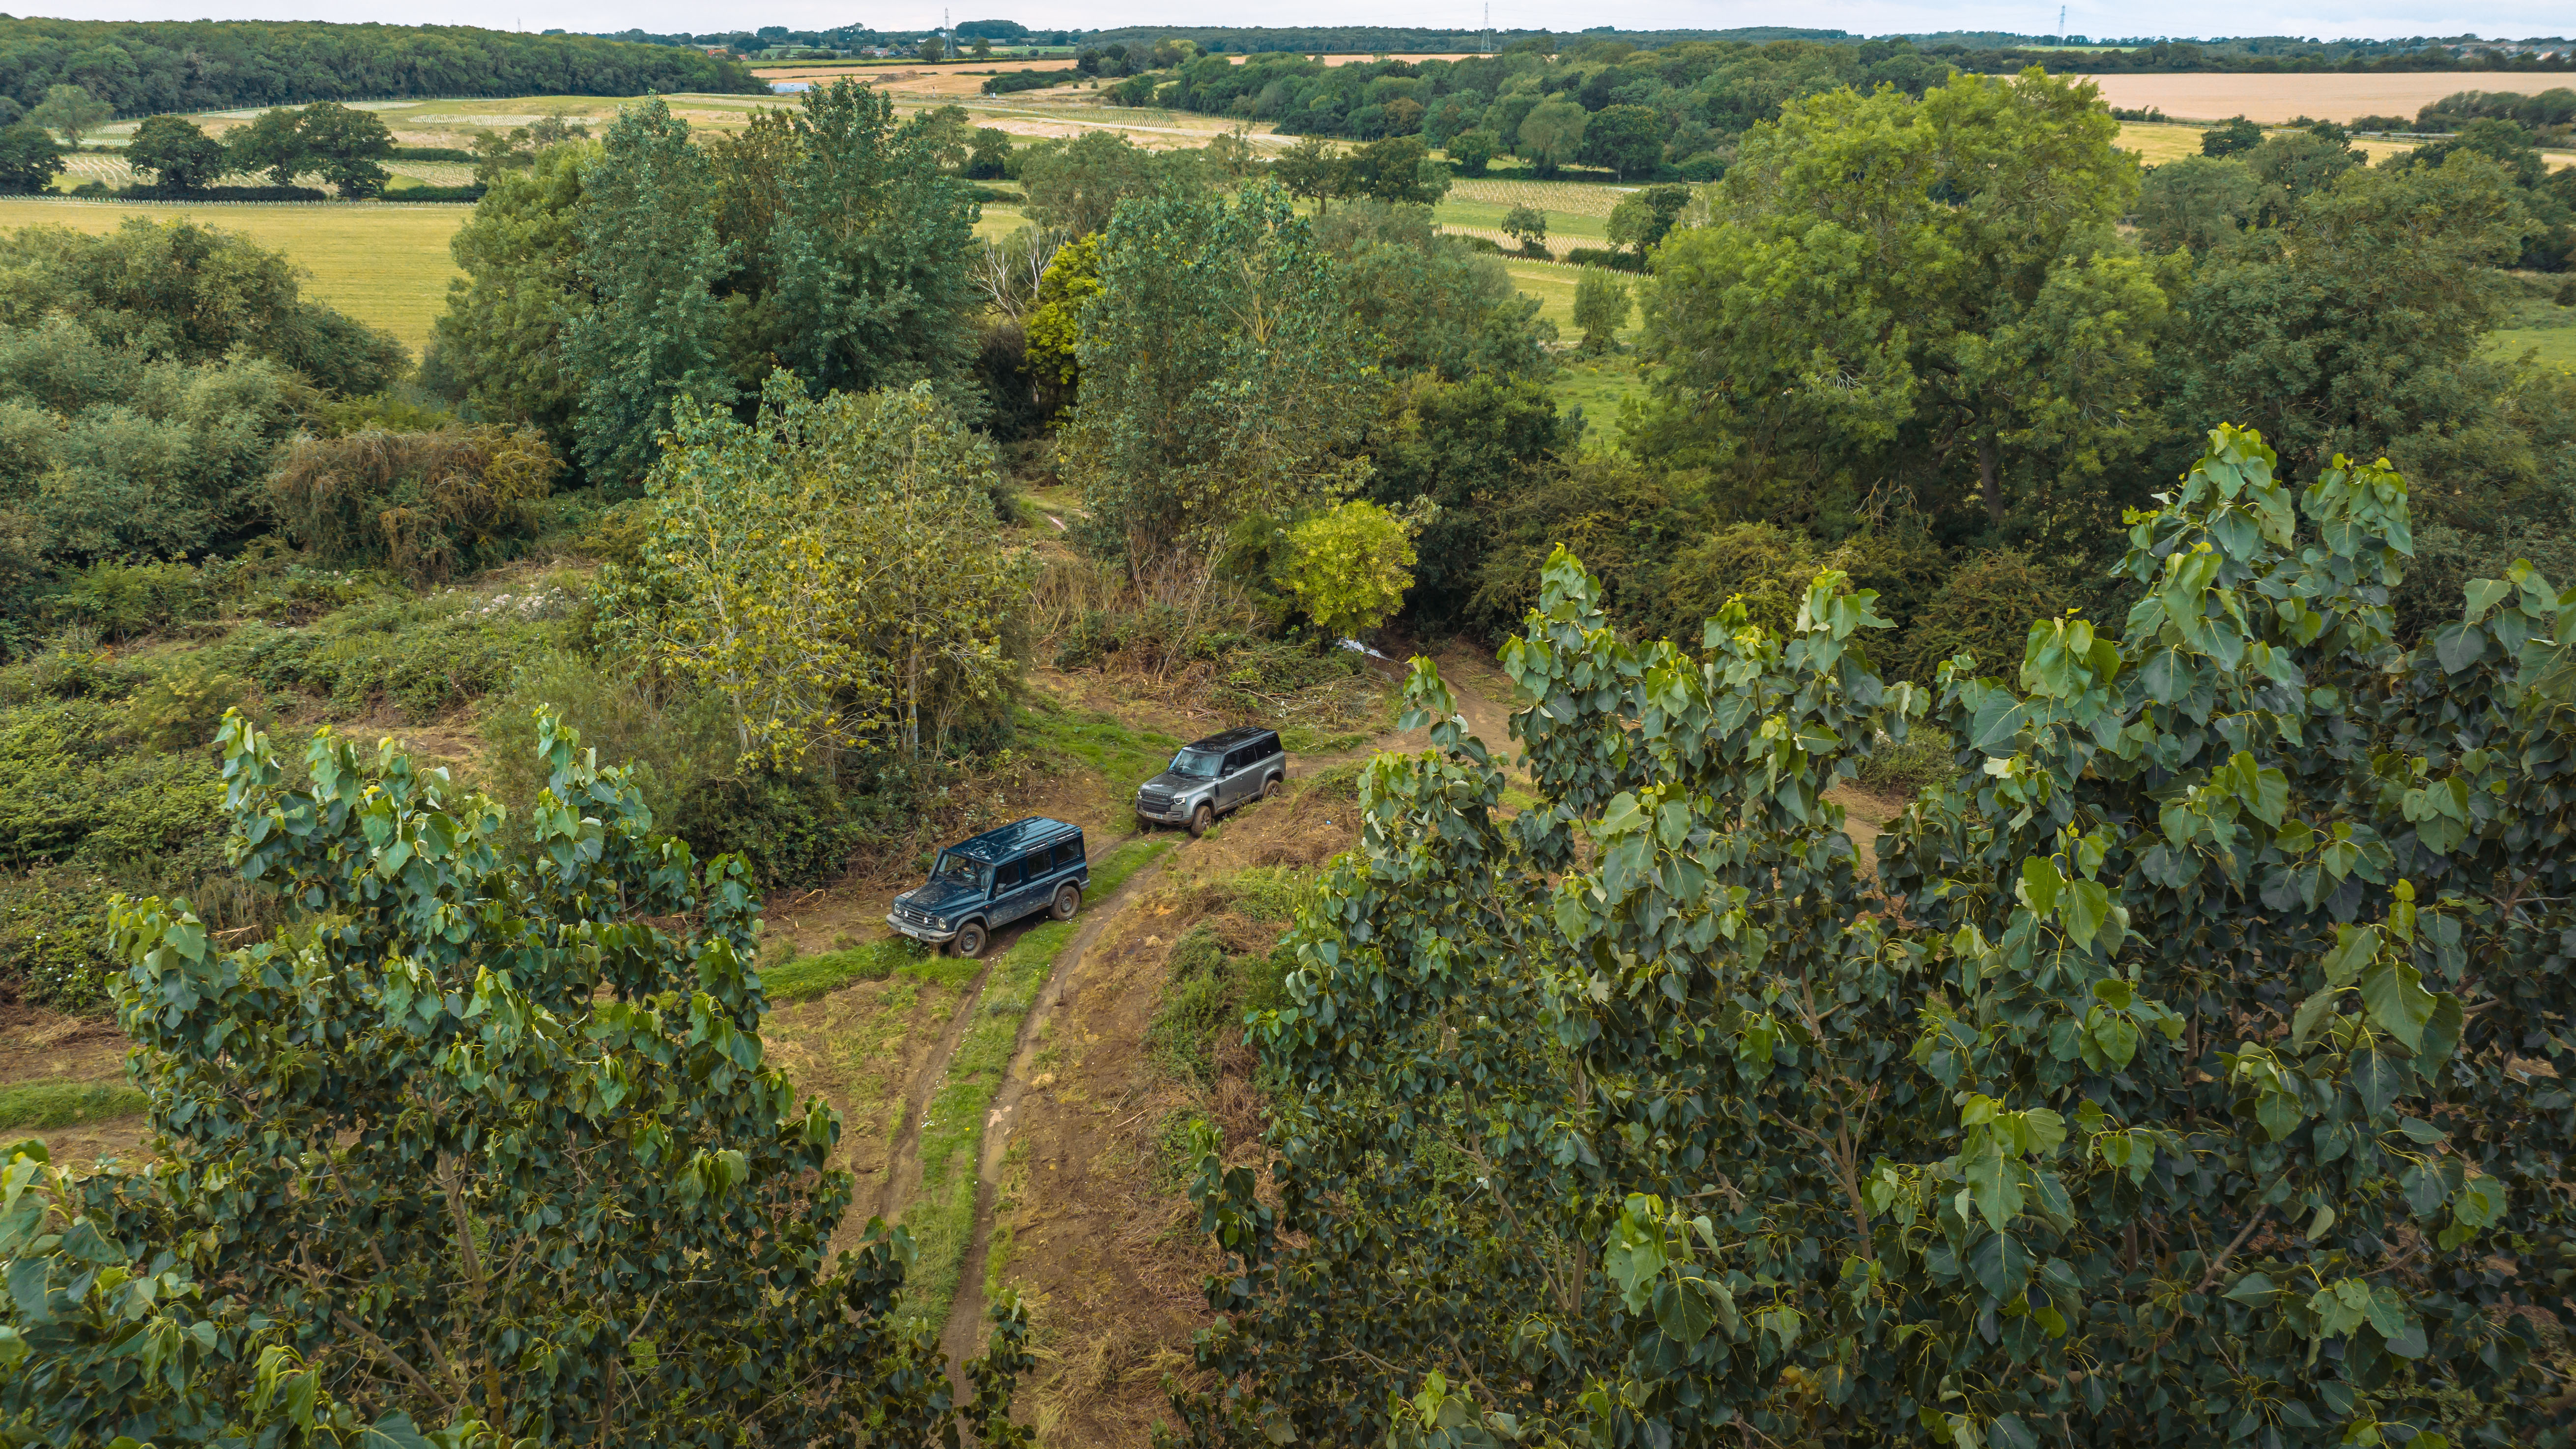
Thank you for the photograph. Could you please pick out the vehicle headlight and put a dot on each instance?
(940, 921)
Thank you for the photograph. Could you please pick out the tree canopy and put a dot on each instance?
(2190, 1090)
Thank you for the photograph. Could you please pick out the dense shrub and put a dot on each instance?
(425, 505)
(74, 787)
(53, 939)
(1617, 259)
(1983, 608)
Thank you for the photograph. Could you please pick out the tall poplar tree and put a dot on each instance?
(869, 251)
(649, 258)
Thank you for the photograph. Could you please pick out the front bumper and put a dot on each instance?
(920, 930)
(1170, 813)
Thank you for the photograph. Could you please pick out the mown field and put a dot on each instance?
(2276, 98)
(387, 266)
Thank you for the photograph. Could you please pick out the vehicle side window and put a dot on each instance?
(1005, 877)
(1270, 748)
(1068, 854)
(1233, 761)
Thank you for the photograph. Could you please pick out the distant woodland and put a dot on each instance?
(146, 67)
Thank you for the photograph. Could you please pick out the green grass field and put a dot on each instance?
(387, 266)
(2555, 346)
(67, 1104)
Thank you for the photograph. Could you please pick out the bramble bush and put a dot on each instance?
(2194, 1072)
(483, 1137)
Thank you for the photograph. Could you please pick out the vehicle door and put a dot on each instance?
(1010, 892)
(1232, 789)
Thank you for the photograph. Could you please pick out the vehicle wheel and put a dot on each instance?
(970, 939)
(1270, 788)
(1068, 899)
(1201, 819)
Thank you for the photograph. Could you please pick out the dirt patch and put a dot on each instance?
(37, 1045)
(1103, 1243)
(40, 1046)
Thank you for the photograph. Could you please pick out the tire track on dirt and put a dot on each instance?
(963, 1335)
(903, 1159)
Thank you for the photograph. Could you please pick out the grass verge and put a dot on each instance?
(807, 977)
(942, 1218)
(67, 1104)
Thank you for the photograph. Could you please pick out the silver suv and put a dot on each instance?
(1209, 778)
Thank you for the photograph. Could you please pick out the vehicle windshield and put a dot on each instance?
(1197, 764)
(962, 868)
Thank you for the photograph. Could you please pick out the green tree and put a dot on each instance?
(1398, 168)
(2294, 163)
(183, 157)
(1075, 186)
(2355, 323)
(2232, 138)
(1461, 447)
(932, 49)
(29, 161)
(1313, 168)
(1350, 567)
(1626, 139)
(1552, 134)
(273, 142)
(870, 247)
(1433, 302)
(1646, 218)
(2195, 203)
(1527, 225)
(1223, 378)
(498, 1097)
(1054, 326)
(989, 156)
(1472, 151)
(500, 345)
(71, 110)
(345, 145)
(1641, 1117)
(1926, 290)
(1505, 115)
(649, 255)
(828, 572)
(1601, 307)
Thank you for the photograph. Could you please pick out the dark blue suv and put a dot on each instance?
(980, 885)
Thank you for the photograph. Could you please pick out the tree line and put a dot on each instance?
(140, 68)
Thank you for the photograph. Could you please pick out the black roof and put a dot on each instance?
(1004, 842)
(1228, 739)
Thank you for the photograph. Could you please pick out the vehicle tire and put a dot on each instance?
(1270, 788)
(1201, 819)
(1068, 899)
(970, 939)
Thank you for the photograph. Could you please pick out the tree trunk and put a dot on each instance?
(1987, 482)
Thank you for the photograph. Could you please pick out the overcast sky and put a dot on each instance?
(2510, 18)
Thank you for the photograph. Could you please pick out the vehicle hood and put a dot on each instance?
(1171, 784)
(941, 897)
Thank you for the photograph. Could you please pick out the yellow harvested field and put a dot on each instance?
(387, 266)
(2275, 98)
(864, 70)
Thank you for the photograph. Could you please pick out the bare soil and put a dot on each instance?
(37, 1045)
